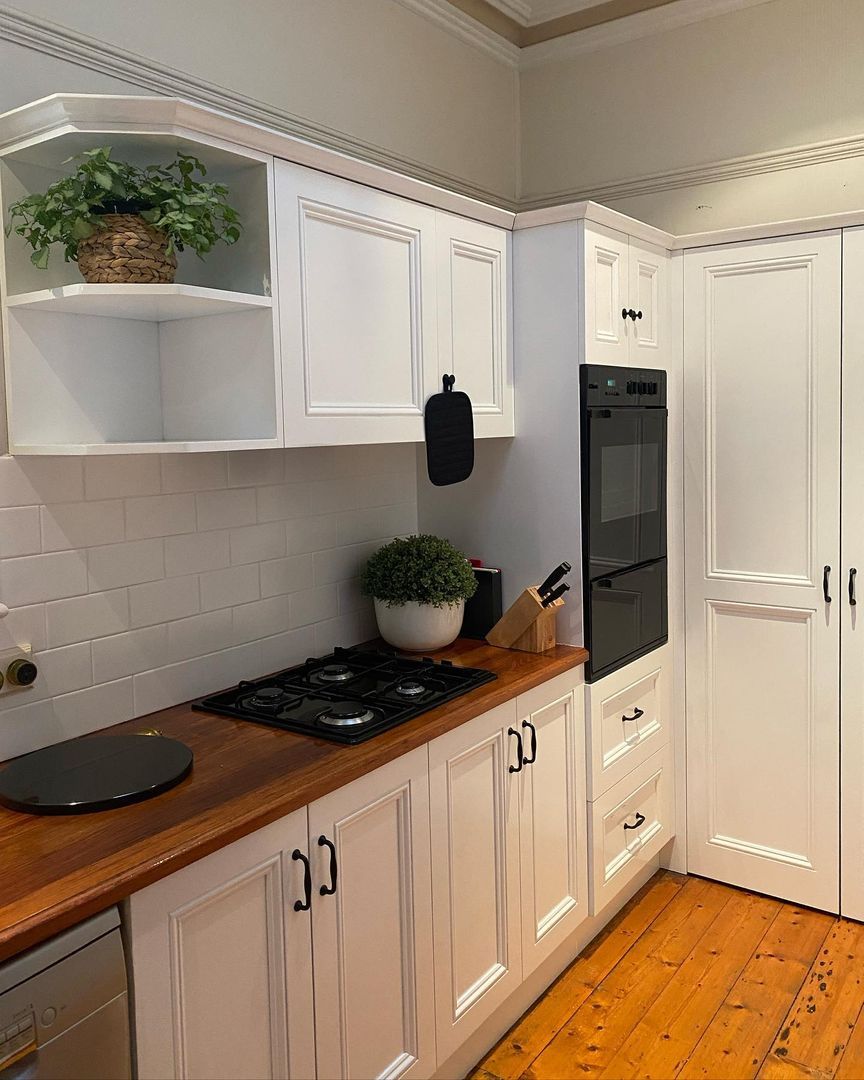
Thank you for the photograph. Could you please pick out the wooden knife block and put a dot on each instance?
(526, 625)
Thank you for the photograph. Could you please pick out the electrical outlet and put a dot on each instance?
(19, 657)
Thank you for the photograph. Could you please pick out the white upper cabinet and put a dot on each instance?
(374, 1006)
(625, 297)
(474, 326)
(359, 337)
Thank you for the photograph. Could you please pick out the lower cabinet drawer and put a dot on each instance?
(629, 824)
(628, 719)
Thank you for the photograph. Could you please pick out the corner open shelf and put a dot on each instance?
(139, 368)
(150, 303)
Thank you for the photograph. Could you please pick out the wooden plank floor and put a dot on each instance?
(698, 979)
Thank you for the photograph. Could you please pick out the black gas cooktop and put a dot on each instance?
(349, 696)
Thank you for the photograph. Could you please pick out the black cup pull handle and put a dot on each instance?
(516, 768)
(826, 574)
(853, 573)
(533, 758)
(637, 712)
(303, 905)
(326, 890)
(640, 820)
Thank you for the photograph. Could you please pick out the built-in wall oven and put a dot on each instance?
(623, 443)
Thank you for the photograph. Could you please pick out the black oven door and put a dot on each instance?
(627, 616)
(625, 477)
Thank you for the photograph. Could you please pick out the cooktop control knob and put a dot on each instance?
(21, 673)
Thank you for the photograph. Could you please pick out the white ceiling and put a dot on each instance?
(532, 12)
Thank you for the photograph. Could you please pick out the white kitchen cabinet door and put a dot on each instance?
(552, 826)
(647, 297)
(374, 984)
(849, 587)
(762, 447)
(475, 879)
(357, 297)
(607, 294)
(474, 336)
(222, 964)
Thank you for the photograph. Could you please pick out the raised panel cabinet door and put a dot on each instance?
(647, 297)
(552, 827)
(222, 964)
(852, 568)
(475, 872)
(764, 588)
(474, 319)
(372, 925)
(357, 310)
(607, 289)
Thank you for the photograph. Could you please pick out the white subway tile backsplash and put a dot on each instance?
(226, 588)
(127, 654)
(314, 605)
(33, 481)
(159, 515)
(226, 509)
(194, 472)
(122, 477)
(286, 575)
(131, 563)
(143, 581)
(253, 468)
(283, 501)
(20, 533)
(85, 617)
(257, 542)
(34, 578)
(196, 552)
(161, 601)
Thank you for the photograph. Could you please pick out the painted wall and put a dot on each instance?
(370, 69)
(766, 77)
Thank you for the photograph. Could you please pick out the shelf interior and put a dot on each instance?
(150, 303)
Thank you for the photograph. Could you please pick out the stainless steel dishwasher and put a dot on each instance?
(64, 1007)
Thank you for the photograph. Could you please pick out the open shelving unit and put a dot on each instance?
(99, 369)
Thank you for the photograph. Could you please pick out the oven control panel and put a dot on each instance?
(622, 387)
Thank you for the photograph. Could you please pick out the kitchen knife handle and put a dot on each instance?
(553, 579)
(551, 597)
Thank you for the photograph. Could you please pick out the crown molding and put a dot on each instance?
(69, 45)
(520, 11)
(629, 28)
(442, 13)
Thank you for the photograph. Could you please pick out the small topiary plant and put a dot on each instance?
(424, 569)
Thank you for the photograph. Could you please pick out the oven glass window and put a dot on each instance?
(629, 481)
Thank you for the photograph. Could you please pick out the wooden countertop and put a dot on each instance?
(55, 871)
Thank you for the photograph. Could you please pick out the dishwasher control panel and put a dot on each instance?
(17, 1041)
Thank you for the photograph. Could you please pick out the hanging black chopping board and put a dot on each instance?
(97, 773)
(449, 425)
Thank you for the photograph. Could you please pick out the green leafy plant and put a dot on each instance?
(193, 213)
(425, 569)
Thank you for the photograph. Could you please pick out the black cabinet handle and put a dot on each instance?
(629, 313)
(853, 573)
(325, 890)
(533, 758)
(638, 314)
(301, 905)
(637, 712)
(640, 820)
(826, 574)
(624, 313)
(516, 768)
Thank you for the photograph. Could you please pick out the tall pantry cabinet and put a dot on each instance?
(774, 517)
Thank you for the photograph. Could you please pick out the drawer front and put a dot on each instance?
(629, 719)
(629, 825)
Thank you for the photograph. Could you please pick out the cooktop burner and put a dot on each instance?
(348, 696)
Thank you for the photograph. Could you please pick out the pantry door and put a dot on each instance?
(764, 587)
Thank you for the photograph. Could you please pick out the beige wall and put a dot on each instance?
(371, 69)
(775, 75)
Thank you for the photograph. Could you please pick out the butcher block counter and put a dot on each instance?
(55, 871)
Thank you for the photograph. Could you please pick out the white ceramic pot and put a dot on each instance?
(419, 627)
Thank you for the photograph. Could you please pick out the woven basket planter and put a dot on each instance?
(126, 249)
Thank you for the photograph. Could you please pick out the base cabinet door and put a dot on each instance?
(474, 796)
(474, 319)
(372, 925)
(552, 827)
(222, 964)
